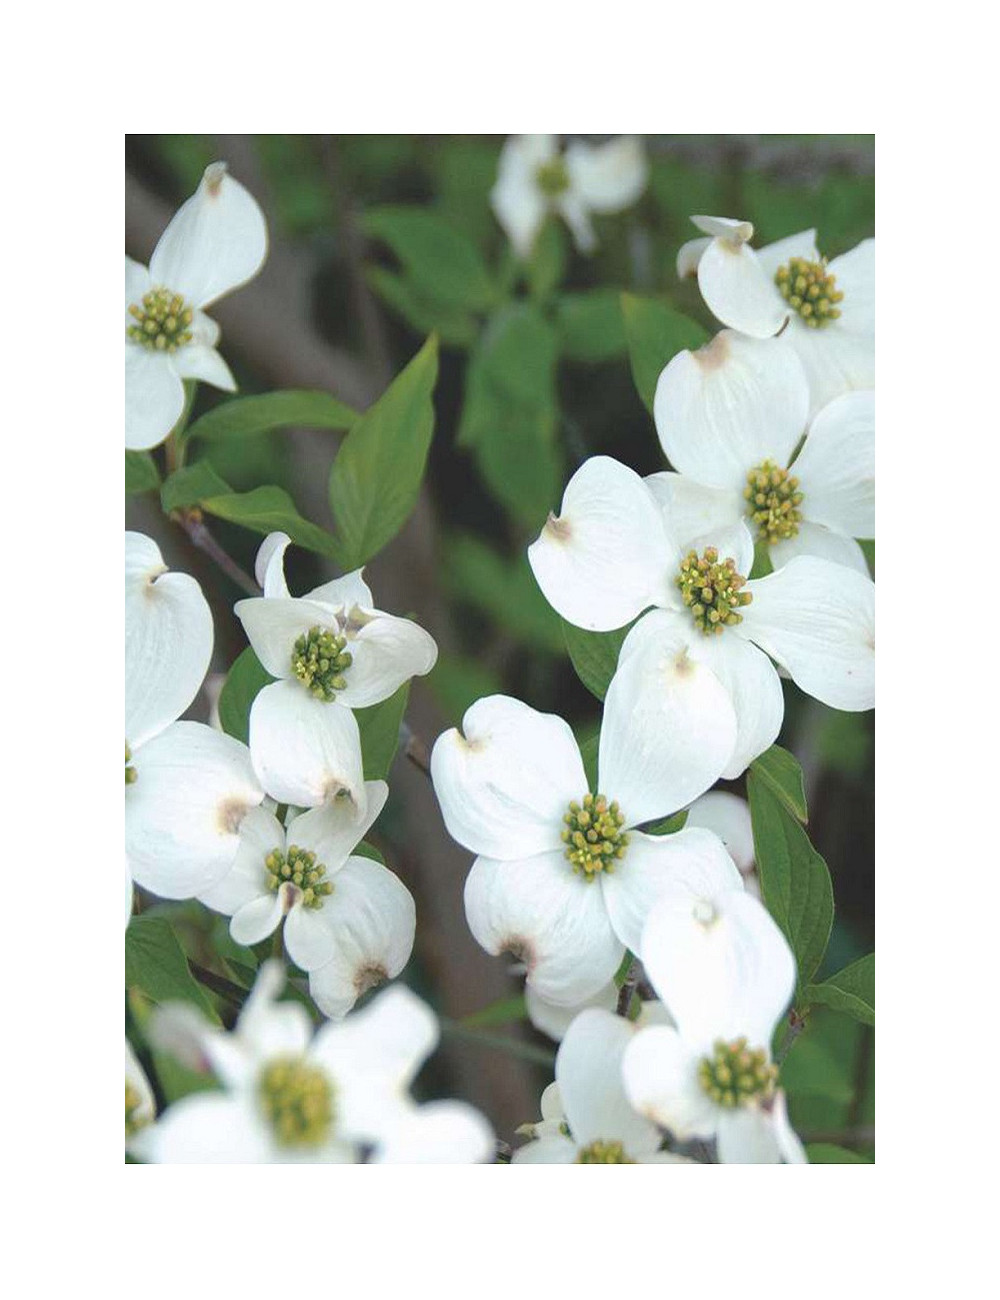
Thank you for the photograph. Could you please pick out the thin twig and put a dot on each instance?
(796, 1024)
(218, 984)
(415, 748)
(627, 989)
(498, 1042)
(198, 531)
(860, 1136)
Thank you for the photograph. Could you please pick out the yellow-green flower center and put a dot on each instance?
(593, 836)
(131, 775)
(300, 868)
(319, 660)
(736, 1074)
(810, 289)
(297, 1100)
(162, 321)
(133, 1104)
(552, 178)
(710, 588)
(603, 1153)
(773, 499)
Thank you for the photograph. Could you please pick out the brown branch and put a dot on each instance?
(201, 536)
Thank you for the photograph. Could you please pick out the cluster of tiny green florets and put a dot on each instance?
(773, 499)
(298, 866)
(162, 321)
(297, 1100)
(133, 1103)
(593, 836)
(810, 289)
(603, 1153)
(711, 590)
(735, 1074)
(131, 775)
(552, 178)
(319, 660)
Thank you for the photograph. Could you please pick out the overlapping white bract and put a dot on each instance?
(215, 242)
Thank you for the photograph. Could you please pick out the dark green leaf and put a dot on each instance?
(243, 417)
(379, 727)
(190, 485)
(141, 474)
(457, 682)
(267, 509)
(588, 752)
(781, 773)
(655, 334)
(366, 850)
(505, 590)
(501, 1012)
(547, 265)
(851, 990)
(594, 655)
(795, 882)
(376, 477)
(523, 469)
(245, 680)
(441, 261)
(155, 963)
(425, 314)
(590, 325)
(826, 1153)
(669, 825)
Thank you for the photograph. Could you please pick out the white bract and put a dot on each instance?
(187, 787)
(215, 242)
(290, 1096)
(829, 307)
(730, 417)
(536, 178)
(328, 649)
(552, 1019)
(603, 1127)
(728, 816)
(563, 879)
(348, 921)
(726, 974)
(611, 554)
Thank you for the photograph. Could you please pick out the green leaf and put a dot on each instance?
(506, 590)
(366, 850)
(267, 509)
(440, 260)
(458, 681)
(851, 990)
(669, 825)
(502, 1012)
(655, 334)
(594, 655)
(375, 480)
(590, 325)
(795, 882)
(155, 963)
(781, 773)
(245, 680)
(425, 314)
(188, 486)
(826, 1153)
(588, 752)
(379, 727)
(141, 474)
(523, 469)
(243, 417)
(547, 265)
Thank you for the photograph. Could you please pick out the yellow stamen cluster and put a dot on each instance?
(133, 1104)
(300, 868)
(711, 590)
(593, 836)
(131, 775)
(319, 660)
(552, 178)
(162, 321)
(603, 1153)
(773, 499)
(735, 1074)
(811, 290)
(297, 1100)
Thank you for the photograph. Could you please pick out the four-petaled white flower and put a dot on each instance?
(293, 1097)
(215, 242)
(535, 178)
(603, 1127)
(329, 648)
(563, 880)
(188, 787)
(730, 417)
(726, 974)
(611, 554)
(829, 307)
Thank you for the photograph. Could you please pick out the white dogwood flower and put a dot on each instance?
(730, 418)
(611, 554)
(215, 242)
(290, 1096)
(563, 880)
(140, 1105)
(829, 307)
(187, 787)
(726, 974)
(598, 1125)
(329, 648)
(536, 178)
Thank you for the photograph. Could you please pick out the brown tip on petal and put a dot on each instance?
(215, 174)
(518, 948)
(714, 353)
(231, 814)
(369, 977)
(683, 663)
(557, 528)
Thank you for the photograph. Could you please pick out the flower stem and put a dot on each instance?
(196, 528)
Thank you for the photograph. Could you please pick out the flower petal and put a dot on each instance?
(574, 211)
(266, 1027)
(334, 829)
(215, 242)
(608, 177)
(729, 406)
(823, 544)
(773, 256)
(305, 751)
(345, 592)
(154, 397)
(273, 625)
(137, 283)
(439, 1133)
(516, 199)
(690, 510)
(754, 688)
(208, 1128)
(258, 918)
(168, 640)
(552, 920)
(269, 566)
(817, 619)
(553, 1020)
(836, 466)
(669, 726)
(197, 361)
(660, 1076)
(554, 1149)
(689, 255)
(386, 652)
(855, 276)
(506, 780)
(183, 813)
(746, 1137)
(260, 834)
(731, 228)
(606, 557)
(728, 816)
(736, 290)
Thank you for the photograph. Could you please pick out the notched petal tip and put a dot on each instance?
(714, 354)
(369, 977)
(231, 814)
(215, 174)
(558, 528)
